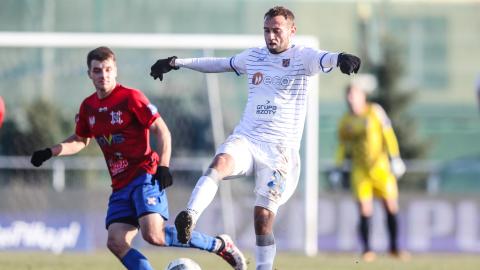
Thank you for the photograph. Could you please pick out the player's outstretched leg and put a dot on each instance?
(222, 245)
(202, 196)
(184, 225)
(230, 253)
(198, 240)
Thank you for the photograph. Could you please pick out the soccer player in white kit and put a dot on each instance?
(266, 142)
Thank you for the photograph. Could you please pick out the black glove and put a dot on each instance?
(162, 66)
(348, 63)
(40, 156)
(163, 177)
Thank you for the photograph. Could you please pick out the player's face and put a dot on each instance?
(356, 100)
(278, 32)
(103, 75)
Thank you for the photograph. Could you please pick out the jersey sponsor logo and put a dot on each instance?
(116, 117)
(258, 78)
(286, 62)
(267, 108)
(117, 164)
(91, 120)
(110, 139)
(153, 109)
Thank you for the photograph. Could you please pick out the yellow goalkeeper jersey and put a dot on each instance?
(366, 139)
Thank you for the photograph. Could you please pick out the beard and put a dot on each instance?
(276, 49)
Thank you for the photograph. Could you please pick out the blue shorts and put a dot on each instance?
(135, 200)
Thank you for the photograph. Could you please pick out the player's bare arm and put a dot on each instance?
(164, 150)
(164, 141)
(69, 146)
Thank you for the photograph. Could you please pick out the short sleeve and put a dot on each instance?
(82, 128)
(145, 111)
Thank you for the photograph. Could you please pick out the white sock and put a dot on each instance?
(264, 256)
(202, 196)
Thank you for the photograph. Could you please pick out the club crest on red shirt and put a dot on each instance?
(116, 117)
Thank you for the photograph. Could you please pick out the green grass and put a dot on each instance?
(102, 260)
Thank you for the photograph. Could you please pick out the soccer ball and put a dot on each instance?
(183, 264)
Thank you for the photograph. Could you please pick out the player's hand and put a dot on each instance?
(163, 177)
(348, 63)
(397, 166)
(162, 66)
(40, 156)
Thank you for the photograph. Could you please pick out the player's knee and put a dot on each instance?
(366, 212)
(117, 246)
(154, 238)
(270, 207)
(222, 159)
(391, 208)
(213, 174)
(366, 208)
(223, 164)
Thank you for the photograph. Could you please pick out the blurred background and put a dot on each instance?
(424, 54)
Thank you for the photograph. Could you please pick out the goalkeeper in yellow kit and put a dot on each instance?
(366, 137)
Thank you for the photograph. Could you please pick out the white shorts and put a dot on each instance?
(276, 169)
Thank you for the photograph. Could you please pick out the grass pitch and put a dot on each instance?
(103, 260)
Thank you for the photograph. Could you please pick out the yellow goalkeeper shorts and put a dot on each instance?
(377, 181)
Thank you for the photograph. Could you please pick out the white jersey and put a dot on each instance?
(277, 97)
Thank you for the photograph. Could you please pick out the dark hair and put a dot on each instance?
(99, 54)
(279, 11)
